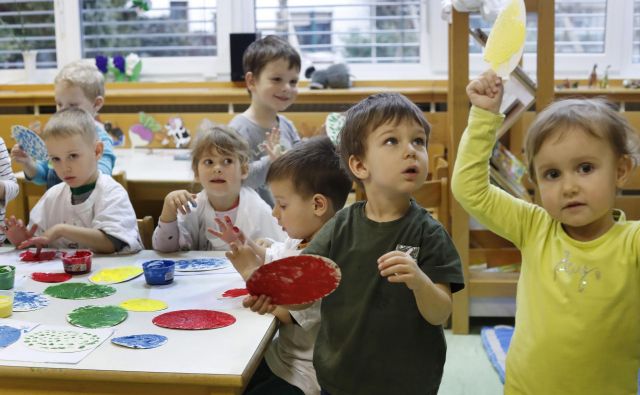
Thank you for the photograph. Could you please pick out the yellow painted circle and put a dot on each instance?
(143, 305)
(116, 275)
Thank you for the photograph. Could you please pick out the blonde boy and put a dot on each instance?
(89, 210)
(79, 84)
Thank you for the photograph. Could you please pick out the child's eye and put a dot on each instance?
(293, 82)
(228, 161)
(585, 168)
(73, 156)
(276, 79)
(54, 159)
(551, 174)
(419, 141)
(207, 162)
(282, 206)
(391, 141)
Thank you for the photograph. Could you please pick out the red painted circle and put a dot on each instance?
(50, 277)
(194, 319)
(295, 280)
(29, 256)
(235, 292)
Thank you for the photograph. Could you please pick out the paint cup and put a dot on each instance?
(77, 263)
(6, 303)
(7, 276)
(159, 272)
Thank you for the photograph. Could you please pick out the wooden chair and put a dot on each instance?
(31, 193)
(146, 227)
(120, 177)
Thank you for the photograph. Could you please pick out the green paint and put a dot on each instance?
(97, 316)
(79, 291)
(61, 341)
(7, 276)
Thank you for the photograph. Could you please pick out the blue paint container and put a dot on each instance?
(159, 272)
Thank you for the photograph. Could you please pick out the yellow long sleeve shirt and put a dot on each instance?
(578, 303)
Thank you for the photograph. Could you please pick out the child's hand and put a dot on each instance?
(272, 144)
(227, 232)
(20, 156)
(486, 91)
(17, 232)
(49, 236)
(264, 243)
(177, 201)
(260, 304)
(399, 267)
(244, 259)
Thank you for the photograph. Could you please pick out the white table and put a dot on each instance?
(218, 361)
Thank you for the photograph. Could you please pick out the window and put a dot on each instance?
(27, 25)
(169, 29)
(352, 31)
(636, 32)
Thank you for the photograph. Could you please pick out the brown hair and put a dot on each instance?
(313, 166)
(371, 113)
(70, 122)
(221, 139)
(269, 49)
(84, 75)
(598, 117)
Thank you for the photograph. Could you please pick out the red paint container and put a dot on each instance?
(78, 263)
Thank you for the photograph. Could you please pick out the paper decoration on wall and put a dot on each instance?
(194, 319)
(30, 142)
(333, 125)
(79, 291)
(506, 40)
(61, 340)
(144, 341)
(29, 301)
(9, 335)
(116, 275)
(31, 256)
(295, 280)
(97, 316)
(144, 133)
(235, 292)
(117, 136)
(201, 264)
(176, 131)
(143, 305)
(50, 277)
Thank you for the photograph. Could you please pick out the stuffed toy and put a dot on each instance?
(335, 76)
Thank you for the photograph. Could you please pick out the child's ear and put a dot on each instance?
(320, 205)
(358, 167)
(244, 169)
(250, 80)
(625, 166)
(97, 104)
(99, 149)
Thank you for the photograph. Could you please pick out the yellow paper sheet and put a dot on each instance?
(506, 40)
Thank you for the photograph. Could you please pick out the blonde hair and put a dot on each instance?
(598, 117)
(218, 138)
(71, 122)
(84, 75)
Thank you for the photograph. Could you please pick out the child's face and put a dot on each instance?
(276, 88)
(68, 96)
(74, 159)
(221, 175)
(396, 159)
(295, 214)
(577, 176)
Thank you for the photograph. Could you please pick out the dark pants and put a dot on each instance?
(323, 392)
(264, 382)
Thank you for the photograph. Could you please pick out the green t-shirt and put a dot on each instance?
(372, 337)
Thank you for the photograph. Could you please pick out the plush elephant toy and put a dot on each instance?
(335, 76)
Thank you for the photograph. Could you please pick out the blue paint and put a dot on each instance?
(158, 272)
(144, 341)
(194, 265)
(29, 301)
(8, 335)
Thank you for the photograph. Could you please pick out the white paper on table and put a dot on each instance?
(18, 351)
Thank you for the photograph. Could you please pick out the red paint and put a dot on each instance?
(50, 277)
(194, 319)
(78, 263)
(295, 280)
(29, 256)
(235, 292)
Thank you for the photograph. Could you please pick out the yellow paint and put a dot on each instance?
(506, 39)
(116, 275)
(143, 305)
(6, 306)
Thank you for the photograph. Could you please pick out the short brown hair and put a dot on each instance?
(266, 50)
(70, 122)
(313, 166)
(598, 117)
(371, 113)
(219, 138)
(84, 75)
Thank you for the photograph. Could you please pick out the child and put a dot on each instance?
(89, 210)
(79, 84)
(272, 69)
(580, 279)
(8, 186)
(381, 330)
(219, 159)
(309, 187)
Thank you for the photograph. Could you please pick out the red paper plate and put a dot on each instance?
(30, 256)
(194, 319)
(295, 280)
(235, 292)
(50, 277)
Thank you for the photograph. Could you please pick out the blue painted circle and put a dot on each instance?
(8, 335)
(144, 341)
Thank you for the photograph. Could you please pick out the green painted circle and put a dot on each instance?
(79, 291)
(97, 316)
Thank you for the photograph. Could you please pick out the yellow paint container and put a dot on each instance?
(6, 304)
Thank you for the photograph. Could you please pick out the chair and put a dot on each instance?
(120, 177)
(146, 227)
(31, 193)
